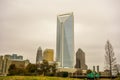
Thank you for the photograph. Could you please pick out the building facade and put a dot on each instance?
(39, 56)
(1, 64)
(48, 55)
(7, 60)
(80, 60)
(65, 40)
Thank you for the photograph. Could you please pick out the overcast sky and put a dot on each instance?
(27, 24)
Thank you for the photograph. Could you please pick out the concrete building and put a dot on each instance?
(7, 60)
(39, 56)
(48, 55)
(69, 70)
(80, 60)
(65, 40)
(1, 64)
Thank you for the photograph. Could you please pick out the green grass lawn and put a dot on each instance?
(34, 78)
(117, 78)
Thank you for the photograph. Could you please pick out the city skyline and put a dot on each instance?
(26, 25)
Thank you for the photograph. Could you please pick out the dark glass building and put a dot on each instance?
(80, 60)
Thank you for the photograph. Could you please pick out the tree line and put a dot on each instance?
(33, 69)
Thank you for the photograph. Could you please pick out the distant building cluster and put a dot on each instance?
(7, 60)
(64, 46)
(15, 57)
(47, 54)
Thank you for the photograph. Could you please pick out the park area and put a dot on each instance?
(42, 78)
(34, 78)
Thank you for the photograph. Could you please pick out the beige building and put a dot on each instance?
(69, 70)
(48, 55)
(1, 64)
(6, 61)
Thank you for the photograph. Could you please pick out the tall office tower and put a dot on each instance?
(80, 60)
(39, 55)
(65, 40)
(48, 54)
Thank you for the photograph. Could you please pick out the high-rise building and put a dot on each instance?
(48, 55)
(80, 60)
(65, 40)
(39, 55)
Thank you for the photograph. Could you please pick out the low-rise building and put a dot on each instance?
(7, 60)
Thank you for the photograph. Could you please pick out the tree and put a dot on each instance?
(31, 68)
(116, 68)
(20, 71)
(47, 69)
(53, 68)
(12, 69)
(44, 67)
(89, 71)
(109, 57)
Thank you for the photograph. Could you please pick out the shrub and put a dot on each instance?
(62, 74)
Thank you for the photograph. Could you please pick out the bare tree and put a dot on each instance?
(117, 68)
(109, 57)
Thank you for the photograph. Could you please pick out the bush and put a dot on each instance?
(62, 74)
(30, 74)
(78, 72)
(50, 74)
(89, 71)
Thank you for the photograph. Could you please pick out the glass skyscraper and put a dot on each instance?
(65, 40)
